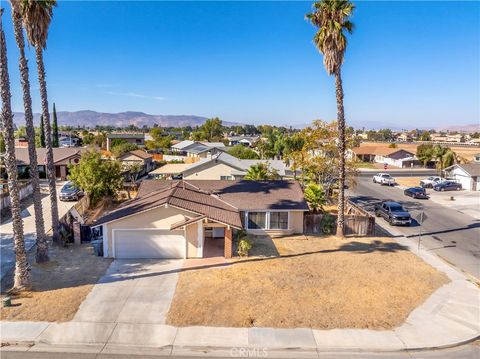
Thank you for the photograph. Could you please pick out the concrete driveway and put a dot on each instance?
(132, 291)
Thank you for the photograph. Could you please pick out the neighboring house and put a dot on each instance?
(196, 150)
(474, 141)
(248, 141)
(21, 142)
(447, 138)
(133, 138)
(476, 157)
(220, 166)
(467, 174)
(383, 154)
(404, 137)
(140, 157)
(62, 158)
(196, 219)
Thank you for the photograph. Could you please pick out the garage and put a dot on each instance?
(148, 243)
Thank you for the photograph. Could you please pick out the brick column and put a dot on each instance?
(228, 243)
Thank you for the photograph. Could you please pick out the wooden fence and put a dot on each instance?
(358, 221)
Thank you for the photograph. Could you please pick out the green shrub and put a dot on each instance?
(244, 244)
(328, 223)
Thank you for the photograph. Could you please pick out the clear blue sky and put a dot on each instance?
(407, 64)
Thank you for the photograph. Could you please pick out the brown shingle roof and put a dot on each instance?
(182, 196)
(243, 194)
(139, 153)
(59, 154)
(472, 168)
(220, 201)
(377, 150)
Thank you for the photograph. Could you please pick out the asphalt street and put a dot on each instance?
(470, 351)
(449, 233)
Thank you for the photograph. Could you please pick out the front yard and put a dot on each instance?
(317, 282)
(59, 286)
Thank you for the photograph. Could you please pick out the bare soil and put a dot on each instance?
(317, 282)
(58, 287)
(409, 181)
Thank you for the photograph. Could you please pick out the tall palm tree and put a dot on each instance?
(439, 153)
(22, 276)
(332, 19)
(37, 16)
(42, 247)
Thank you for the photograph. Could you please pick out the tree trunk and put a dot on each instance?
(42, 247)
(22, 276)
(48, 142)
(341, 148)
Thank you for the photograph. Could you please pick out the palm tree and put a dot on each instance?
(439, 153)
(22, 276)
(42, 247)
(261, 172)
(37, 16)
(332, 19)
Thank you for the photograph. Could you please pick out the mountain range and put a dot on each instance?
(88, 118)
(91, 119)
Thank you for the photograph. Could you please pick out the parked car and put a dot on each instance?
(430, 181)
(69, 192)
(416, 192)
(394, 213)
(447, 186)
(384, 178)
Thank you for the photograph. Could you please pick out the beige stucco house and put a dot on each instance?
(197, 219)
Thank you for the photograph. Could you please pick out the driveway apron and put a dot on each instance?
(132, 291)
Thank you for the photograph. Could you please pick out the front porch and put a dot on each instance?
(217, 240)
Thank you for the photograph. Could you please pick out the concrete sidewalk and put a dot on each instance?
(449, 317)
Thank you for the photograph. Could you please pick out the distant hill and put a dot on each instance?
(461, 128)
(123, 119)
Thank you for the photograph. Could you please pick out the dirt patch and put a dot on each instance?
(409, 181)
(318, 282)
(58, 287)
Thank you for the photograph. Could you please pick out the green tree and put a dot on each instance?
(425, 136)
(122, 148)
(332, 20)
(21, 278)
(42, 133)
(315, 197)
(261, 172)
(98, 178)
(242, 152)
(55, 140)
(439, 153)
(211, 130)
(159, 140)
(132, 170)
(36, 17)
(425, 153)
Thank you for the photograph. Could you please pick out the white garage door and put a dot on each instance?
(146, 243)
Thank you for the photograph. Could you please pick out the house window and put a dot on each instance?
(226, 178)
(278, 220)
(257, 220)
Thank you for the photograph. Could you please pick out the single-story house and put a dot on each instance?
(195, 219)
(220, 166)
(62, 158)
(138, 157)
(133, 138)
(383, 154)
(467, 174)
(196, 150)
(242, 140)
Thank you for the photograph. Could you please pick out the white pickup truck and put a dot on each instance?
(431, 181)
(384, 179)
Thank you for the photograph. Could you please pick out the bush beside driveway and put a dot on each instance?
(316, 282)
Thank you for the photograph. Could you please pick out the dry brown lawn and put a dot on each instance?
(58, 287)
(318, 282)
(409, 181)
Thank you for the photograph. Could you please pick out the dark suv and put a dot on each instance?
(448, 186)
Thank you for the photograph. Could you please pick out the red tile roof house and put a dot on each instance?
(189, 219)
